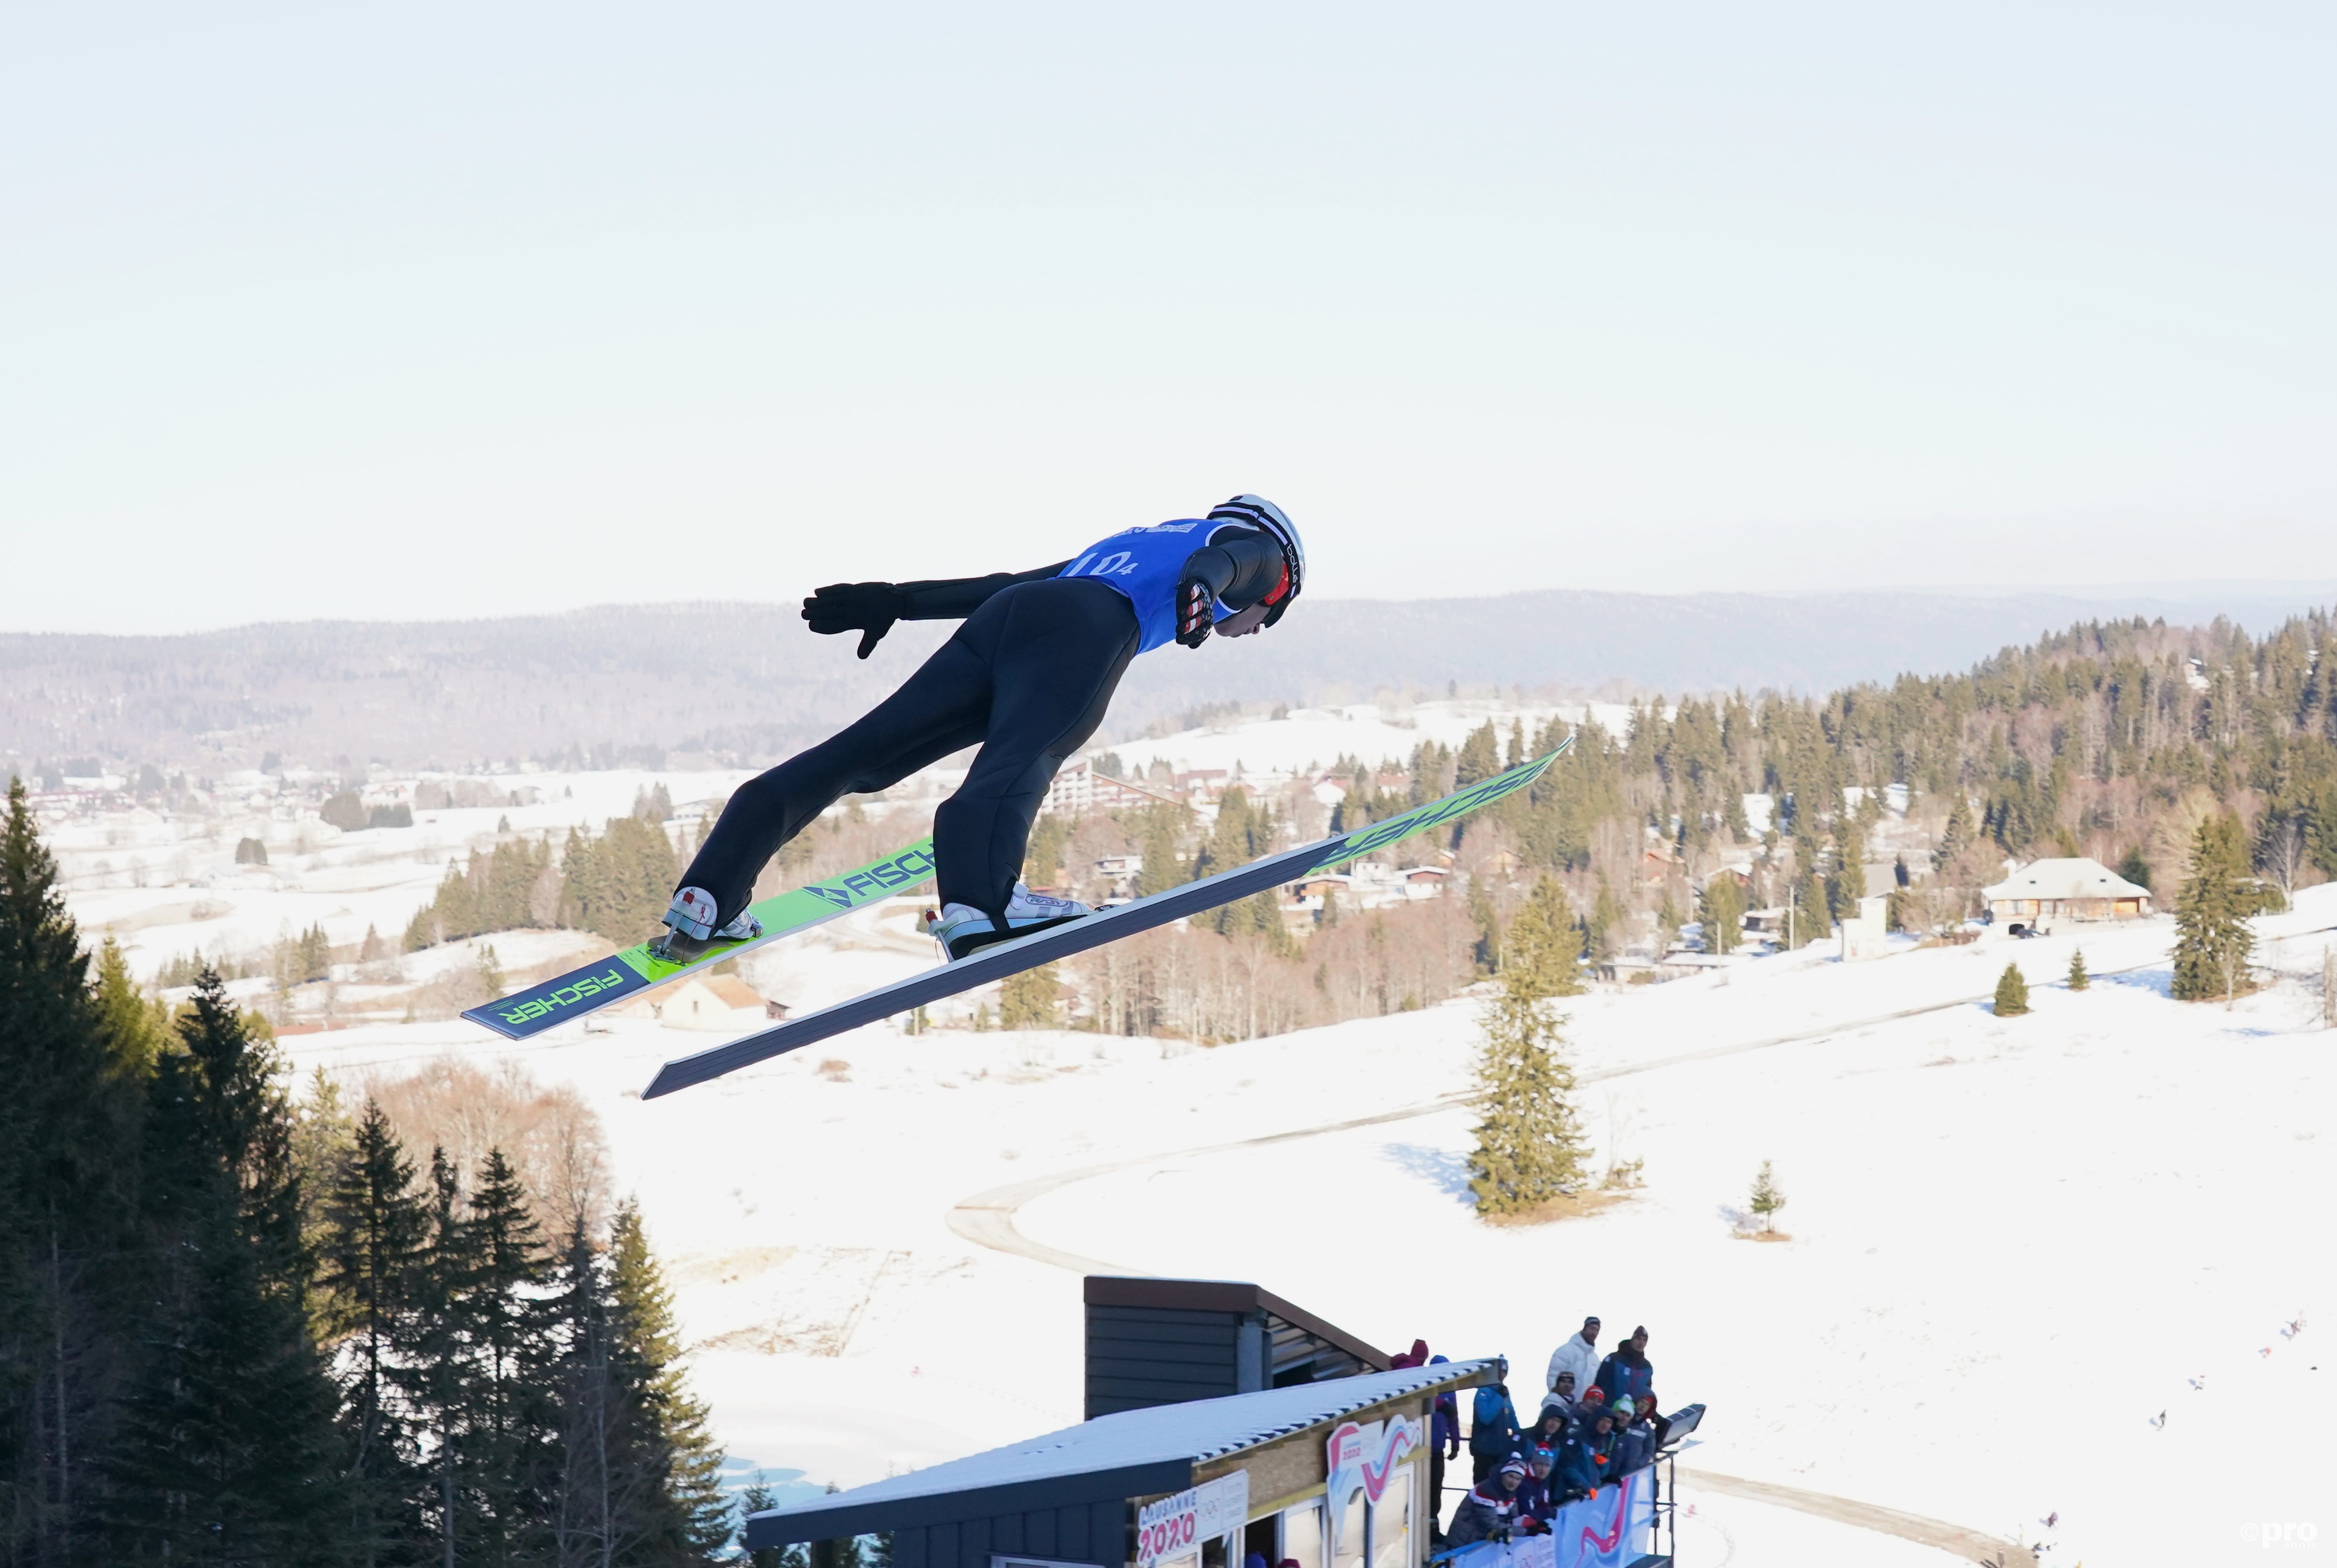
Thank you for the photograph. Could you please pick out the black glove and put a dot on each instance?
(869, 608)
(1195, 616)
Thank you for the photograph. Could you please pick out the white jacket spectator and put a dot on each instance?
(1580, 1355)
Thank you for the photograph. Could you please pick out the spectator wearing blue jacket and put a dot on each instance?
(1548, 1428)
(1536, 1503)
(1597, 1434)
(1492, 1430)
(1573, 1472)
(1628, 1374)
(1635, 1442)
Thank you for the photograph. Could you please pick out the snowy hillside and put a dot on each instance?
(2013, 1242)
(2032, 1267)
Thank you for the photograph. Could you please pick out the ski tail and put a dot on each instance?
(1109, 925)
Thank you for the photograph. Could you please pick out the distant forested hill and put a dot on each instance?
(745, 683)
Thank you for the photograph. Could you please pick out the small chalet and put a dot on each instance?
(706, 1002)
(2071, 889)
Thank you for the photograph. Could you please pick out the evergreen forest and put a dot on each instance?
(238, 1329)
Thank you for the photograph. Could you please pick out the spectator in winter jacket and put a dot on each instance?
(1628, 1372)
(1492, 1430)
(1489, 1508)
(1578, 1355)
(1635, 1444)
(1548, 1431)
(1573, 1472)
(1597, 1434)
(1659, 1426)
(1535, 1503)
(1443, 1443)
(1561, 1397)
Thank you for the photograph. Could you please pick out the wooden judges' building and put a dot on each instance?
(2077, 890)
(1224, 1422)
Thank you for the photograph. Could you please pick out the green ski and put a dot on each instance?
(613, 979)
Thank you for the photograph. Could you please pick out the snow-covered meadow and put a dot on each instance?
(2049, 1266)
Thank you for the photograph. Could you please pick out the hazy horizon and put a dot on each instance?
(2236, 598)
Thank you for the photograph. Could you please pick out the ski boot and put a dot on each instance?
(961, 929)
(693, 934)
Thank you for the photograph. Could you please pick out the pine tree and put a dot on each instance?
(756, 1497)
(69, 1129)
(838, 1553)
(227, 1453)
(1529, 1143)
(137, 1027)
(1027, 1000)
(2012, 993)
(1480, 757)
(1811, 921)
(1157, 844)
(2213, 942)
(1721, 908)
(509, 1434)
(376, 1228)
(2079, 979)
(1601, 929)
(690, 1517)
(1955, 835)
(1848, 883)
(1539, 953)
(639, 1475)
(1768, 1196)
(432, 1366)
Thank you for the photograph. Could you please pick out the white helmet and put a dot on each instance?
(1258, 512)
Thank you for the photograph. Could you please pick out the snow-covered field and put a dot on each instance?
(195, 896)
(1371, 732)
(2016, 1246)
(2014, 1243)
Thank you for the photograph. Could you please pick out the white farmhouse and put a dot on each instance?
(2077, 890)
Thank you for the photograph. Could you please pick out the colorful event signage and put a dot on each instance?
(1612, 1530)
(1176, 1525)
(1362, 1456)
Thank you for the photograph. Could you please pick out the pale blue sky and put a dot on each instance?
(455, 310)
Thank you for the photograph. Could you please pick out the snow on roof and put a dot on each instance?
(1193, 1431)
(730, 989)
(2065, 879)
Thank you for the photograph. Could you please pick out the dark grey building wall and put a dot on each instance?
(1085, 1533)
(1142, 1356)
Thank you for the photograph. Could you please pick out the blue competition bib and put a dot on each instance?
(1143, 563)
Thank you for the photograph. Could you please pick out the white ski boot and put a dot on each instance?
(961, 929)
(691, 916)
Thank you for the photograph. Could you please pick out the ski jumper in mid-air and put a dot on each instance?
(1028, 677)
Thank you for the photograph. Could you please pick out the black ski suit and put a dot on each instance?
(1028, 677)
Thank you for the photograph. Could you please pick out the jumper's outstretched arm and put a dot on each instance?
(870, 608)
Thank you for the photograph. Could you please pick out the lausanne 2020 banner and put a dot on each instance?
(1611, 1530)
